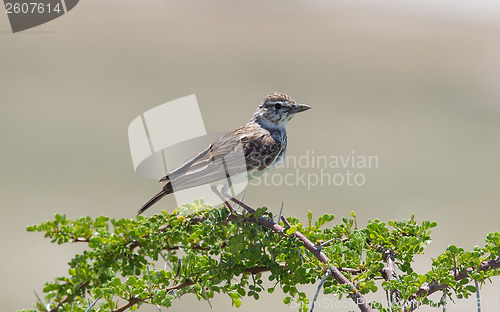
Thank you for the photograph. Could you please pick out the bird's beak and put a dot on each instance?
(297, 108)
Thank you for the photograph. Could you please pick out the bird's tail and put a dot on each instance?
(167, 189)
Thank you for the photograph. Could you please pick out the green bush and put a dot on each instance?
(131, 262)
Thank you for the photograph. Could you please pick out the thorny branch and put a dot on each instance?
(431, 288)
(317, 252)
(388, 272)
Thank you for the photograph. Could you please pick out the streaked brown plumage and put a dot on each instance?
(262, 142)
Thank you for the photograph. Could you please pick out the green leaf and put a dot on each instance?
(198, 287)
(233, 295)
(237, 303)
(131, 280)
(452, 249)
(194, 235)
(291, 230)
(323, 220)
(422, 279)
(241, 291)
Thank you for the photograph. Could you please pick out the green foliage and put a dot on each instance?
(130, 262)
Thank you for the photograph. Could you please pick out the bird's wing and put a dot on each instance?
(236, 152)
(185, 165)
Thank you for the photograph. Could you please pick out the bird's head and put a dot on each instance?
(277, 109)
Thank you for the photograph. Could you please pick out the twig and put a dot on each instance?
(485, 265)
(130, 303)
(350, 270)
(411, 304)
(136, 300)
(66, 298)
(455, 270)
(389, 274)
(285, 221)
(260, 269)
(81, 239)
(428, 289)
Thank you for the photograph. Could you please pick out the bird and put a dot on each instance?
(261, 143)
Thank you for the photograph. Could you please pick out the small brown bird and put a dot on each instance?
(261, 143)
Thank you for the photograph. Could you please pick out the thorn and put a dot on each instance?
(93, 303)
(477, 296)
(319, 288)
(285, 221)
(455, 270)
(387, 298)
(166, 262)
(206, 296)
(444, 300)
(40, 300)
(325, 243)
(179, 263)
(300, 254)
(223, 198)
(281, 210)
(149, 278)
(241, 200)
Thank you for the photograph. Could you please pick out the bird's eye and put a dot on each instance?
(277, 106)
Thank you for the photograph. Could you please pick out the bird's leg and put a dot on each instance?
(222, 197)
(239, 202)
(247, 208)
(226, 196)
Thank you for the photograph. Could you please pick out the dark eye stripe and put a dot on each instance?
(276, 104)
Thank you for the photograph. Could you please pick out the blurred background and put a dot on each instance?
(415, 83)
